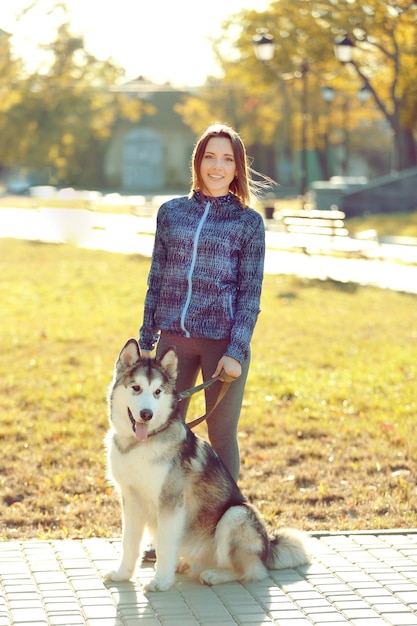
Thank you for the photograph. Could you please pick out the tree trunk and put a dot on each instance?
(405, 148)
(408, 150)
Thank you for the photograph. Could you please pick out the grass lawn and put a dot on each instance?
(327, 431)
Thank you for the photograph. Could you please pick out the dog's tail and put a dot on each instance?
(288, 548)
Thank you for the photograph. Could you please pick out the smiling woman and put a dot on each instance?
(205, 281)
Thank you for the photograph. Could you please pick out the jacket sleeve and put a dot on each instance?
(250, 277)
(149, 334)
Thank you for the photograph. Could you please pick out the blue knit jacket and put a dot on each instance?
(206, 274)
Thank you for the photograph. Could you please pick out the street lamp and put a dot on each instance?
(343, 49)
(263, 43)
(264, 47)
(328, 94)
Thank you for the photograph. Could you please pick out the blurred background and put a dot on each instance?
(111, 97)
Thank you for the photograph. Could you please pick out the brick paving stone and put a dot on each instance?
(64, 607)
(69, 619)
(300, 621)
(401, 619)
(361, 579)
(23, 615)
(375, 621)
(145, 621)
(328, 619)
(101, 621)
(179, 621)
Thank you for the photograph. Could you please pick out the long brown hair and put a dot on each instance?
(242, 185)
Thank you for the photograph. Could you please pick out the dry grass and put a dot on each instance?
(334, 382)
(327, 430)
(396, 223)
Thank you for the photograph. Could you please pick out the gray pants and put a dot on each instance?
(195, 355)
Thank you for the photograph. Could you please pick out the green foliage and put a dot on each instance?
(57, 121)
(327, 427)
(9, 72)
(269, 108)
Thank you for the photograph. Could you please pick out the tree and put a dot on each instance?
(59, 118)
(385, 54)
(10, 94)
(384, 37)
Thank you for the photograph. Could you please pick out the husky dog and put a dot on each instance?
(174, 485)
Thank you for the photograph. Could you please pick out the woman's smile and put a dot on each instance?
(218, 167)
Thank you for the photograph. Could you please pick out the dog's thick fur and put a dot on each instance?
(173, 484)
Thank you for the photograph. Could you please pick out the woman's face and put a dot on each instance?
(218, 167)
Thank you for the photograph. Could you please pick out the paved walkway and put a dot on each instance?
(387, 266)
(362, 579)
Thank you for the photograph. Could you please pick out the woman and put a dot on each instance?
(205, 281)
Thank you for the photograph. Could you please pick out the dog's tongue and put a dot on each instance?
(141, 431)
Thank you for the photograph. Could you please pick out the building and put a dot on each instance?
(152, 155)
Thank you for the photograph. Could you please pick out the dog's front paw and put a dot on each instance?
(118, 575)
(159, 583)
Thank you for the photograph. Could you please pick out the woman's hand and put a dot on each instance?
(232, 368)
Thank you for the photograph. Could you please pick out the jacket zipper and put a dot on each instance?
(191, 270)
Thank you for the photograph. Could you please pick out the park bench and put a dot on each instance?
(325, 231)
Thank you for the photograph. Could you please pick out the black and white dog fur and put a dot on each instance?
(174, 486)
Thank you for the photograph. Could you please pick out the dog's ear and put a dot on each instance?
(169, 361)
(129, 355)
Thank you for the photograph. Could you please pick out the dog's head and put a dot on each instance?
(142, 396)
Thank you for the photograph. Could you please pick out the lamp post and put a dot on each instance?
(364, 94)
(329, 94)
(343, 49)
(264, 47)
(304, 178)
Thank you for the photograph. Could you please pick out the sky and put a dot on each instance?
(162, 40)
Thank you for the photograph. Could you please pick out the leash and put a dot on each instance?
(227, 380)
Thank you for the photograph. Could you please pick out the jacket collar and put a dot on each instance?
(230, 201)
